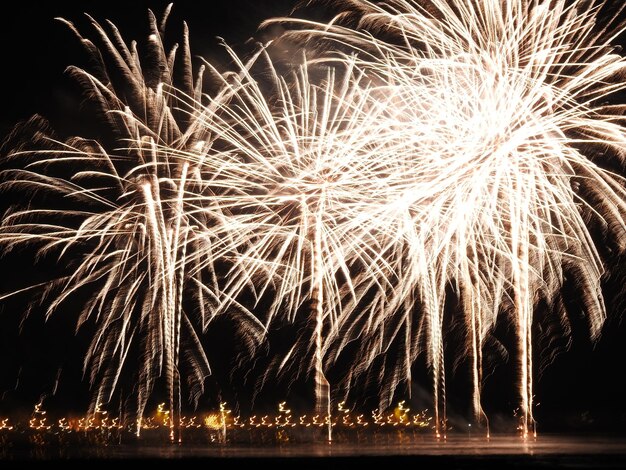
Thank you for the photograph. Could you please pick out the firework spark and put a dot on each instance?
(130, 233)
(307, 179)
(503, 110)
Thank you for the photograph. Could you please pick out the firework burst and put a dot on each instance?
(503, 108)
(130, 234)
(310, 172)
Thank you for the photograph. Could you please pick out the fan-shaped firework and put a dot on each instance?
(307, 182)
(507, 128)
(130, 233)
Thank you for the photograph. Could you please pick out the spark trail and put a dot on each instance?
(511, 126)
(127, 222)
(302, 195)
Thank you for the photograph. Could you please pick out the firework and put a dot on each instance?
(503, 110)
(310, 173)
(444, 146)
(129, 233)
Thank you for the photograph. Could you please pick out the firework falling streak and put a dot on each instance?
(130, 233)
(309, 171)
(502, 106)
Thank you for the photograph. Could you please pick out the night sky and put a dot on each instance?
(583, 389)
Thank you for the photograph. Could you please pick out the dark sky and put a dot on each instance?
(584, 386)
(36, 49)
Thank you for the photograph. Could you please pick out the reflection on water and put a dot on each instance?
(599, 451)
